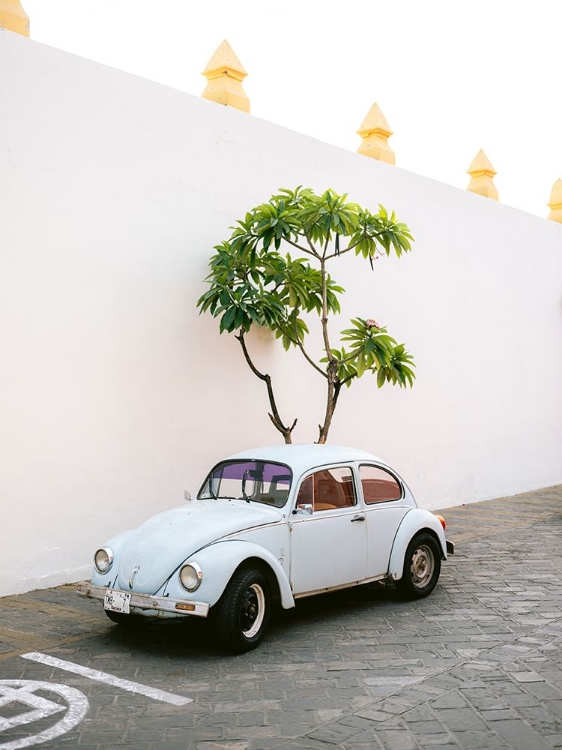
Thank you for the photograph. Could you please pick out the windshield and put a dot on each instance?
(252, 480)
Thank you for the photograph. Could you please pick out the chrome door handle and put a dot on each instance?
(357, 518)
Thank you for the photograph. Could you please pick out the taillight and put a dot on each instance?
(441, 521)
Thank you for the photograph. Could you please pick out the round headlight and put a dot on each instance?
(191, 576)
(103, 559)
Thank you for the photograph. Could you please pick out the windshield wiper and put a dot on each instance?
(225, 497)
(240, 497)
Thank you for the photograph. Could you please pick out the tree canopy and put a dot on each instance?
(272, 272)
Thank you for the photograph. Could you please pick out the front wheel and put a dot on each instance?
(422, 566)
(243, 611)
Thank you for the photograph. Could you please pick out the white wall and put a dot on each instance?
(115, 395)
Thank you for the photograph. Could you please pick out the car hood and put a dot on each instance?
(163, 542)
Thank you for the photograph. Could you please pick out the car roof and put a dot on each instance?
(303, 457)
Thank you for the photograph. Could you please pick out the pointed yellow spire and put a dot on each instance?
(375, 132)
(555, 204)
(13, 17)
(481, 177)
(225, 73)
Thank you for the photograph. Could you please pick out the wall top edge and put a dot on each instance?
(12, 44)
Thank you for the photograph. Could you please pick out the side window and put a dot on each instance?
(378, 485)
(328, 489)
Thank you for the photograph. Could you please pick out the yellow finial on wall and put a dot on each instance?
(481, 177)
(375, 132)
(13, 17)
(225, 73)
(555, 204)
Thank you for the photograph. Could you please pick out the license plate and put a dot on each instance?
(117, 601)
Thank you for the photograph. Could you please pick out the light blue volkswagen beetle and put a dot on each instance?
(272, 524)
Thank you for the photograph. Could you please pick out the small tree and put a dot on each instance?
(253, 283)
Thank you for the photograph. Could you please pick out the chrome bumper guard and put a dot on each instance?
(450, 548)
(147, 601)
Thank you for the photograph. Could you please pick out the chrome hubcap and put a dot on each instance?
(252, 610)
(422, 566)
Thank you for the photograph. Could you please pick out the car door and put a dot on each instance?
(383, 497)
(328, 544)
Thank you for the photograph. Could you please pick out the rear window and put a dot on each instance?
(379, 486)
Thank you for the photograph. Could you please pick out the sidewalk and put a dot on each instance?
(478, 664)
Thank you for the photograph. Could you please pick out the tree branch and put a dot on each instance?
(326, 246)
(341, 252)
(299, 343)
(346, 380)
(303, 249)
(347, 359)
(311, 245)
(274, 416)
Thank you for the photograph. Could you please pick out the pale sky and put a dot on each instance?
(450, 77)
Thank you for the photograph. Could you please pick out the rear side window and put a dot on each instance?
(379, 486)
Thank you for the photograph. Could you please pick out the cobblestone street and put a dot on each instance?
(478, 664)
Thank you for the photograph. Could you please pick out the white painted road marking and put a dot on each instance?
(23, 692)
(95, 674)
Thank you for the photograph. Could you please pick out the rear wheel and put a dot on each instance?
(243, 611)
(422, 566)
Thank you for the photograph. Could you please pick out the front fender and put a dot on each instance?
(218, 562)
(116, 544)
(414, 521)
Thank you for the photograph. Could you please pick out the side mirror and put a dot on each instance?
(303, 510)
(187, 496)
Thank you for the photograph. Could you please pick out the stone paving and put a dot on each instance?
(478, 664)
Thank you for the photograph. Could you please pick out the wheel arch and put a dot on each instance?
(224, 559)
(258, 563)
(417, 521)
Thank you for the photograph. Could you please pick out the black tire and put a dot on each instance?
(243, 612)
(126, 621)
(422, 566)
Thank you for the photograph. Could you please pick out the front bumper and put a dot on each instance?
(148, 601)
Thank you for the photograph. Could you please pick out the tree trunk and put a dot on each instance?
(332, 387)
(331, 400)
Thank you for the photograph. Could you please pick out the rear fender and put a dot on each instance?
(414, 522)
